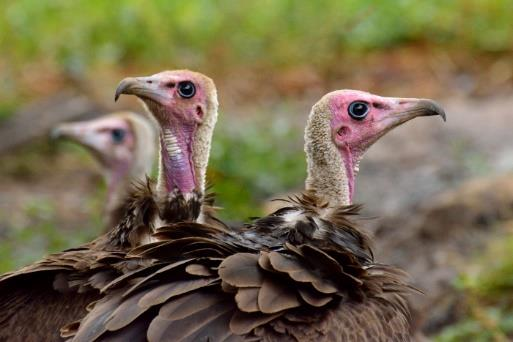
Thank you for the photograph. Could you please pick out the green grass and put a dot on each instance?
(35, 230)
(487, 290)
(491, 324)
(41, 234)
(90, 31)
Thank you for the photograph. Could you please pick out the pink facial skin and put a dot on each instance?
(162, 89)
(178, 116)
(111, 139)
(354, 136)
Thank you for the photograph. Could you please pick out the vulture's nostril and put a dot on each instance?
(343, 131)
(199, 111)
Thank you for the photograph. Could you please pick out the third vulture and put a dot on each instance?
(124, 143)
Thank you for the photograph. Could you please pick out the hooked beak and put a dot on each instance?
(146, 88)
(403, 110)
(430, 107)
(407, 109)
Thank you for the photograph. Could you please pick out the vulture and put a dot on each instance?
(37, 300)
(305, 272)
(124, 143)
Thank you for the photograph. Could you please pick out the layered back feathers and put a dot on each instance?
(305, 272)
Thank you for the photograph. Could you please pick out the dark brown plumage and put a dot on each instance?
(277, 279)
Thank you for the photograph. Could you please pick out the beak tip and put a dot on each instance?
(440, 111)
(123, 87)
(120, 90)
(433, 108)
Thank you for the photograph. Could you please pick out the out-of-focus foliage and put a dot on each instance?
(40, 235)
(77, 36)
(35, 229)
(487, 290)
(247, 167)
(84, 32)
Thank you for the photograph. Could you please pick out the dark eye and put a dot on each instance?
(118, 135)
(186, 89)
(358, 110)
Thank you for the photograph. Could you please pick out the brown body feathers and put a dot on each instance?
(302, 273)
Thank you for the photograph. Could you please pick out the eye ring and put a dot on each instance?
(358, 110)
(118, 135)
(186, 89)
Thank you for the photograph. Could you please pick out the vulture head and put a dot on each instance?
(123, 142)
(340, 129)
(184, 103)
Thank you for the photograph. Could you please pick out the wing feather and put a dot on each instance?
(241, 270)
(275, 297)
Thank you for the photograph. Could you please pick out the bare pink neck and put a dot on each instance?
(177, 167)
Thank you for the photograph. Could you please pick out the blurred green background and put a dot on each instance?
(271, 61)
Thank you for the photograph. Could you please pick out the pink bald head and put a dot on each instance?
(359, 118)
(346, 123)
(174, 97)
(179, 101)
